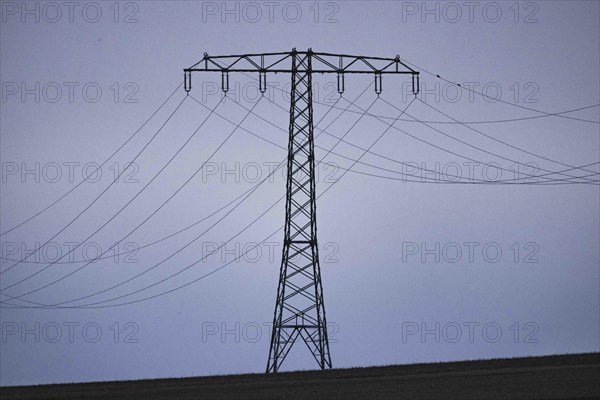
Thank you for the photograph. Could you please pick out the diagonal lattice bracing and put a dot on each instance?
(299, 311)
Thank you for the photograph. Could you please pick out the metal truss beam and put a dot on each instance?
(321, 63)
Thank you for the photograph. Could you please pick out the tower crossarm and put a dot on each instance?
(322, 63)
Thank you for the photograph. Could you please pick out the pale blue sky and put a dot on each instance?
(542, 55)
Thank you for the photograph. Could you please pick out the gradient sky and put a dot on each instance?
(380, 281)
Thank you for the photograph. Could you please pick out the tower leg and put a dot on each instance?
(299, 309)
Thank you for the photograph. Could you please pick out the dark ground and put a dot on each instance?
(551, 377)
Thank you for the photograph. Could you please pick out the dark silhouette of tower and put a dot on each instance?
(299, 308)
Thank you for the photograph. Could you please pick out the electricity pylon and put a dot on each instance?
(299, 309)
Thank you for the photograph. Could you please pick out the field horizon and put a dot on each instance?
(563, 376)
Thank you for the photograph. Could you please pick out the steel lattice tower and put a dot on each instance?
(299, 309)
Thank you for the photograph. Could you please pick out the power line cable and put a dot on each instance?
(457, 154)
(492, 153)
(562, 181)
(100, 195)
(545, 114)
(99, 167)
(130, 201)
(340, 178)
(509, 181)
(95, 305)
(559, 115)
(227, 264)
(384, 117)
(386, 130)
(266, 211)
(193, 224)
(501, 141)
(489, 121)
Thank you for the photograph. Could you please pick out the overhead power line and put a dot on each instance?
(97, 197)
(544, 176)
(501, 141)
(99, 167)
(127, 204)
(96, 305)
(487, 121)
(558, 115)
(58, 305)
